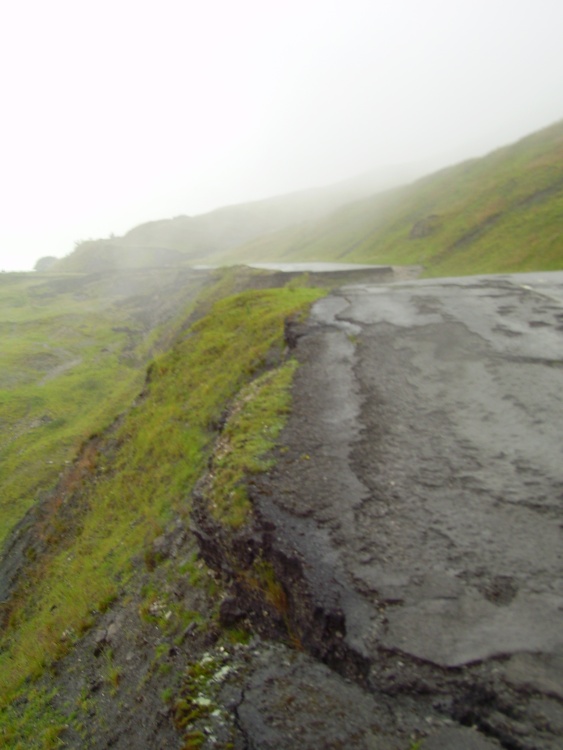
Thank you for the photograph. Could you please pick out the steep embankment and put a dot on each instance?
(501, 213)
(176, 588)
(74, 351)
(102, 581)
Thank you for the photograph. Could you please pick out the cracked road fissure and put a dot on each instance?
(420, 483)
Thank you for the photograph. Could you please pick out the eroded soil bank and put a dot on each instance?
(414, 518)
(401, 573)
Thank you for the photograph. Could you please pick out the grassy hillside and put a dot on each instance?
(99, 256)
(501, 213)
(105, 489)
(74, 354)
(197, 239)
(74, 351)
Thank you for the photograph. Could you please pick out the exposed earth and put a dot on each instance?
(415, 514)
(409, 537)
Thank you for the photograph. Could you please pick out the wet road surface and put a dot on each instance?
(420, 484)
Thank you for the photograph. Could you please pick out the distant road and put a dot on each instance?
(313, 267)
(421, 487)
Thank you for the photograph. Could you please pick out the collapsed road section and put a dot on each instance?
(418, 493)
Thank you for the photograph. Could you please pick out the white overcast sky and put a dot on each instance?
(115, 112)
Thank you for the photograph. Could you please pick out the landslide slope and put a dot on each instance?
(500, 213)
(107, 613)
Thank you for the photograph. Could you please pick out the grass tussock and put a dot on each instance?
(254, 424)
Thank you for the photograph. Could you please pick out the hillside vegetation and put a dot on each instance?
(74, 350)
(99, 488)
(501, 213)
(139, 399)
(197, 239)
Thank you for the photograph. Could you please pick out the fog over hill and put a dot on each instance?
(199, 238)
(497, 213)
(119, 113)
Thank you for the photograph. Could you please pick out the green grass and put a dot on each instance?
(32, 721)
(145, 475)
(499, 214)
(63, 376)
(251, 432)
(74, 351)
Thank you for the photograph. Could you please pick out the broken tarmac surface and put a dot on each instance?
(413, 518)
(419, 492)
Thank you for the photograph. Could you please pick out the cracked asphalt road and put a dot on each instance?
(420, 483)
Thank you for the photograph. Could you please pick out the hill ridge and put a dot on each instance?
(497, 213)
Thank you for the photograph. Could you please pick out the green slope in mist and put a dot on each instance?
(500, 213)
(198, 239)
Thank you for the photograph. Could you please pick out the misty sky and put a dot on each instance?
(116, 112)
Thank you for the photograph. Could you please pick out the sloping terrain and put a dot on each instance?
(500, 213)
(74, 352)
(89, 538)
(228, 524)
(305, 531)
(198, 239)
